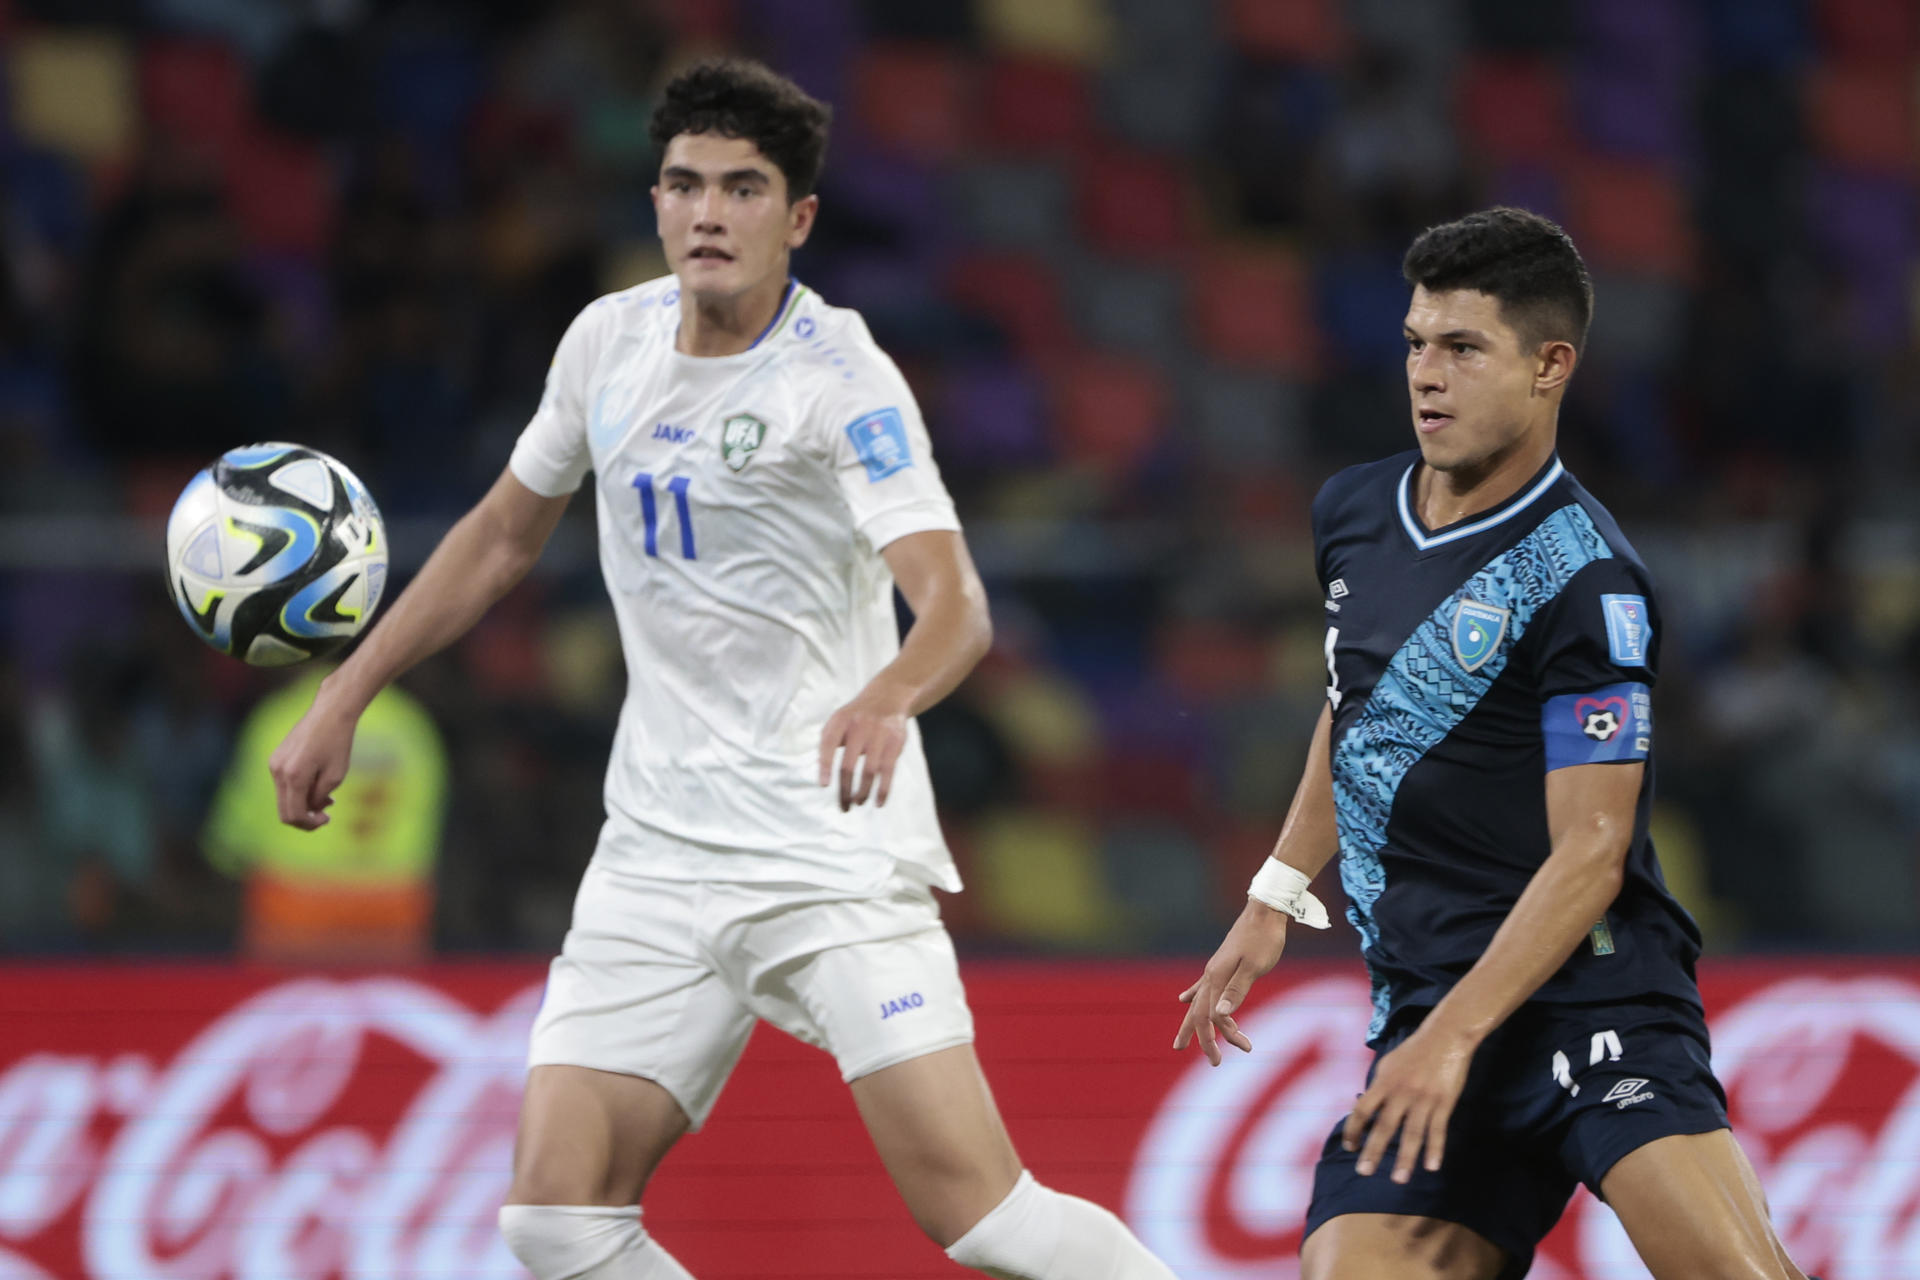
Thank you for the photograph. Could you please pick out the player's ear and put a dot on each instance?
(800, 216)
(1553, 365)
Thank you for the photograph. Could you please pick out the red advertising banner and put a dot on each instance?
(163, 1122)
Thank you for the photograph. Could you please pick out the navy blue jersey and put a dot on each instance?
(1465, 664)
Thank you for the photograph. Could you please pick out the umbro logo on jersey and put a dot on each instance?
(740, 436)
(1627, 1092)
(1335, 592)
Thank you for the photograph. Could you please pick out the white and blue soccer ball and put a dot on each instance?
(276, 554)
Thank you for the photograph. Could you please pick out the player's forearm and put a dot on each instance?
(1573, 888)
(469, 571)
(1310, 836)
(952, 630)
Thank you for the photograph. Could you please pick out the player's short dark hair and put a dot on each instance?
(1521, 258)
(740, 98)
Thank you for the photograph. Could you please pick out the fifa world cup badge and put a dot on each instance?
(740, 436)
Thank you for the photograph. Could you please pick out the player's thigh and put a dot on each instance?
(935, 1125)
(1394, 1246)
(1694, 1210)
(590, 1137)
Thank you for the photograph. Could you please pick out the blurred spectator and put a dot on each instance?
(361, 887)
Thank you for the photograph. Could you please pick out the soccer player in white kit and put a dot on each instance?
(763, 480)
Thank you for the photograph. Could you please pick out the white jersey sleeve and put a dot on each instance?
(882, 456)
(552, 457)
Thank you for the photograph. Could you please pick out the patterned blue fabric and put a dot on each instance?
(1426, 692)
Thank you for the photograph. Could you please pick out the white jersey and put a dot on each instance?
(743, 502)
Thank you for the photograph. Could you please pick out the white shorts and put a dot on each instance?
(664, 978)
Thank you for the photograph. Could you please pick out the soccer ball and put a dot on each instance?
(276, 554)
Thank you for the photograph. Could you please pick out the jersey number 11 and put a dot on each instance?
(650, 512)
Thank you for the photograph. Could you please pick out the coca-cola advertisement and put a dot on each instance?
(215, 1123)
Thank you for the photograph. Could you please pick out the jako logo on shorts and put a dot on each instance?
(912, 1000)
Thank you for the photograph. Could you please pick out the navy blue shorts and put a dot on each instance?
(1554, 1098)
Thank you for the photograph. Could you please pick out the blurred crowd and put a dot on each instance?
(1139, 259)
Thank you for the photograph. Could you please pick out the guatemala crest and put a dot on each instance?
(740, 435)
(1477, 631)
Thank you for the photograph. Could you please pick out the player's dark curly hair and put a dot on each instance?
(740, 98)
(1521, 258)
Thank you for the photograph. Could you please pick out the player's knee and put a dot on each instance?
(561, 1241)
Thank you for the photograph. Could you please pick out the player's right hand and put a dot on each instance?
(1252, 947)
(309, 763)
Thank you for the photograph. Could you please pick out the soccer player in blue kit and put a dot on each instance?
(1482, 769)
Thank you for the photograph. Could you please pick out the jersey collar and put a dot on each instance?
(1424, 541)
(780, 313)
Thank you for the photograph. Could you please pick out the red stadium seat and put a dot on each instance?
(1863, 117)
(281, 192)
(1109, 412)
(913, 98)
(1515, 109)
(1133, 202)
(1019, 293)
(1629, 216)
(1209, 662)
(1861, 33)
(1036, 104)
(196, 90)
(1250, 308)
(1297, 31)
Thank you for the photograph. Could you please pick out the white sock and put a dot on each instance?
(585, 1242)
(1039, 1234)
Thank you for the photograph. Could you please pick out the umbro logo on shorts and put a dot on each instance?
(912, 1000)
(1628, 1092)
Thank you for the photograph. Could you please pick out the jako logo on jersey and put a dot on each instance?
(1627, 1092)
(1627, 628)
(667, 431)
(912, 1000)
(740, 435)
(1600, 718)
(1477, 631)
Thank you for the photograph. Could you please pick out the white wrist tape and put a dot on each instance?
(1284, 888)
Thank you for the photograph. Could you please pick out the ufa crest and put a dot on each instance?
(740, 436)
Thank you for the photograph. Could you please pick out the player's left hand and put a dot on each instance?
(869, 733)
(1414, 1089)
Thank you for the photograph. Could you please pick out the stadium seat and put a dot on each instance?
(1038, 878)
(1863, 118)
(73, 92)
(1164, 879)
(989, 415)
(1528, 186)
(1249, 309)
(1755, 35)
(913, 98)
(1243, 421)
(1035, 104)
(1514, 108)
(1018, 293)
(1629, 216)
(1161, 96)
(1133, 202)
(1861, 33)
(196, 90)
(1013, 204)
(1126, 306)
(1209, 661)
(1297, 31)
(1109, 411)
(1362, 298)
(1076, 30)
(281, 193)
(1622, 111)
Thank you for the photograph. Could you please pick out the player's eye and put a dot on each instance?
(1414, 344)
(1462, 348)
(680, 186)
